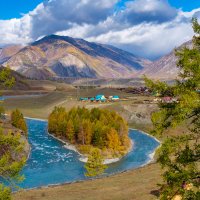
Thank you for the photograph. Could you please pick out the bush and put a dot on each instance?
(18, 121)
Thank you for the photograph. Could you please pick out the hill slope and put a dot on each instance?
(7, 52)
(20, 81)
(165, 67)
(59, 57)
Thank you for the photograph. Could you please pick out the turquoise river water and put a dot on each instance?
(51, 163)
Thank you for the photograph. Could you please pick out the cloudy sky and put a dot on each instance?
(148, 28)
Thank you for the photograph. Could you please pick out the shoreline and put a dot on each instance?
(151, 155)
(106, 161)
(84, 158)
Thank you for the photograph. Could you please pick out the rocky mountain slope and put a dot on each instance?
(59, 57)
(165, 67)
(7, 52)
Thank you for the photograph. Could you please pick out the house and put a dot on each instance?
(92, 99)
(100, 97)
(169, 100)
(115, 98)
(83, 99)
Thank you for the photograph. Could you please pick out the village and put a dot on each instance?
(100, 98)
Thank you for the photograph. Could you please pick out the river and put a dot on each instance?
(51, 163)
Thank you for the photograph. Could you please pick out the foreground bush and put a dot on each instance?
(18, 121)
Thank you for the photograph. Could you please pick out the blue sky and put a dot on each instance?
(14, 8)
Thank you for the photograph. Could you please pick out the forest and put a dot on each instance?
(102, 129)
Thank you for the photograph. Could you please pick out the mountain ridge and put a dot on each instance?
(60, 57)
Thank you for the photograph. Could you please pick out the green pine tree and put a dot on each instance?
(180, 155)
(18, 121)
(10, 146)
(94, 165)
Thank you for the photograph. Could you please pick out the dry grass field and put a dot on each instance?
(139, 184)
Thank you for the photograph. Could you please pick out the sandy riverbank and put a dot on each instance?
(84, 158)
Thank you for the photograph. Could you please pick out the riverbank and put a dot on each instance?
(83, 157)
(135, 184)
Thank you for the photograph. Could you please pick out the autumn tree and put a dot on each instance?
(113, 140)
(70, 131)
(90, 127)
(180, 155)
(87, 129)
(94, 166)
(18, 121)
(10, 146)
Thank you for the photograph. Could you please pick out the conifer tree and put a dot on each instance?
(17, 120)
(94, 165)
(87, 129)
(70, 131)
(180, 155)
(113, 140)
(10, 145)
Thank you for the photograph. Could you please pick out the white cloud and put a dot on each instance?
(149, 28)
(15, 31)
(139, 11)
(57, 15)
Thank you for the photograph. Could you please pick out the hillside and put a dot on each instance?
(60, 57)
(20, 81)
(7, 52)
(165, 67)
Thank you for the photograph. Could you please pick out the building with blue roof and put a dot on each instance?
(115, 98)
(100, 97)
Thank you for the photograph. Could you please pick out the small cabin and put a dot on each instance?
(115, 98)
(83, 99)
(100, 97)
(92, 99)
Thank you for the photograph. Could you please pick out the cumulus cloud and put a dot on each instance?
(147, 11)
(148, 28)
(57, 15)
(15, 31)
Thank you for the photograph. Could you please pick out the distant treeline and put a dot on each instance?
(103, 129)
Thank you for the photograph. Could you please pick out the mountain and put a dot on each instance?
(60, 57)
(7, 52)
(165, 67)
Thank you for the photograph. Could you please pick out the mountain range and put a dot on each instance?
(55, 57)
